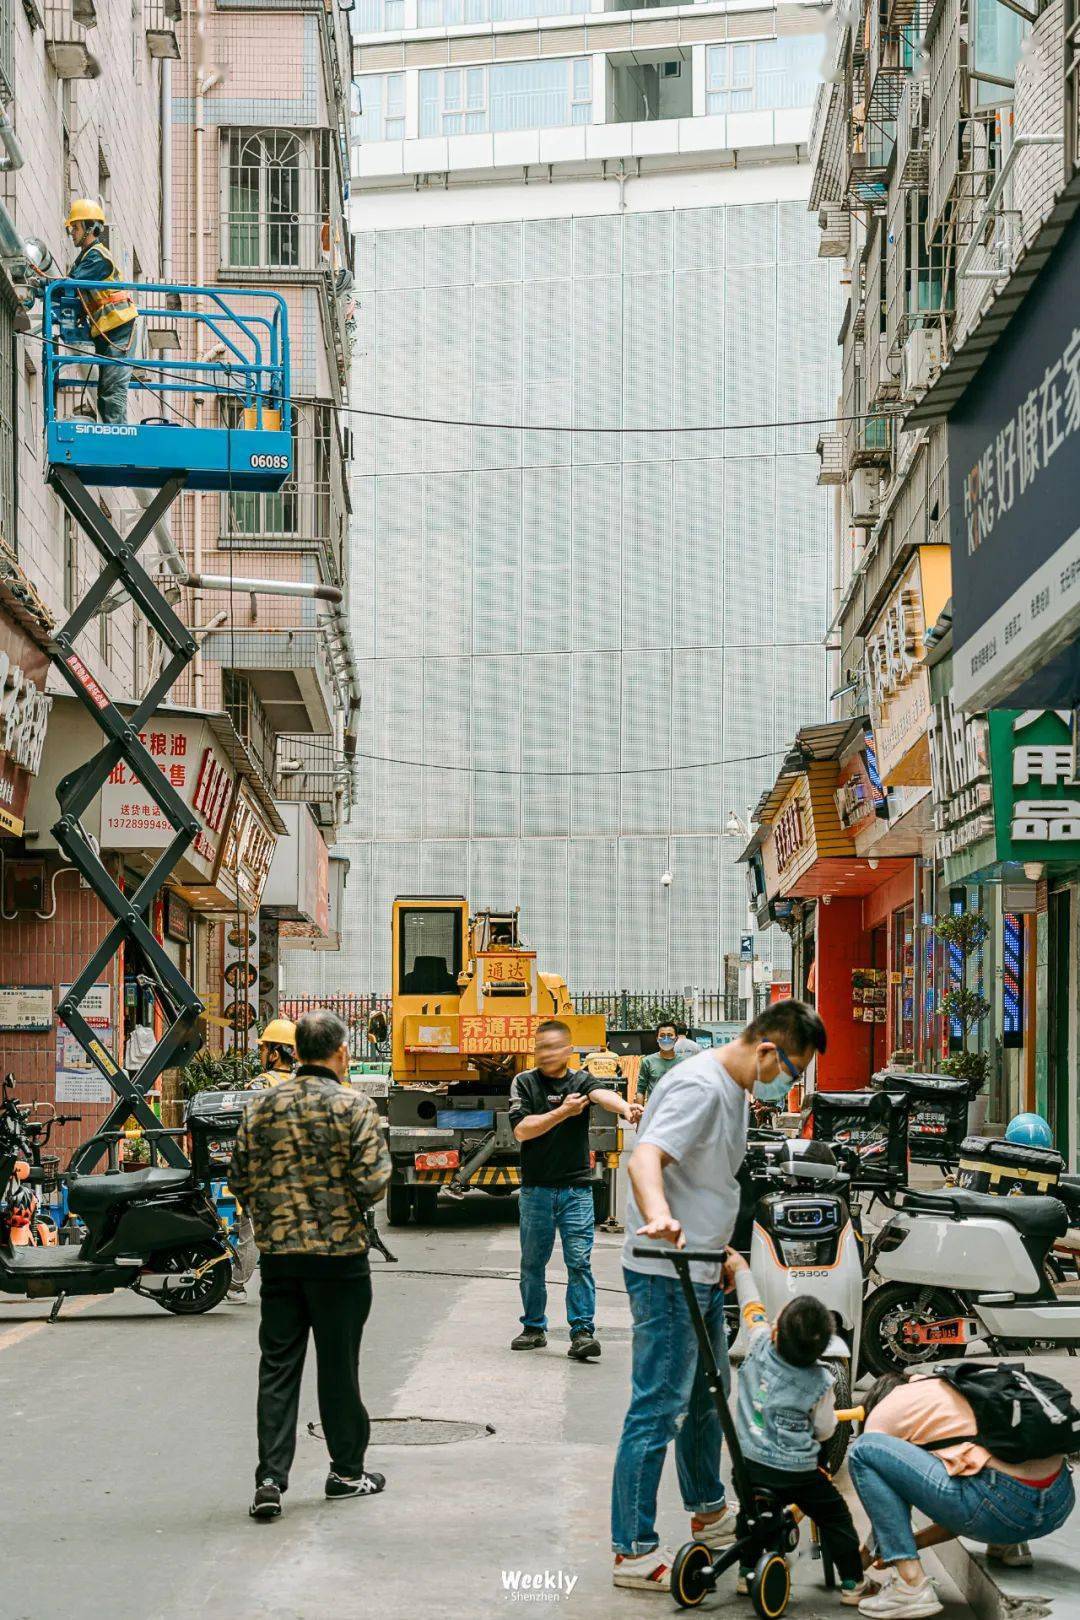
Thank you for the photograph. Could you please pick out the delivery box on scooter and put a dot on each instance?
(989, 1164)
(874, 1124)
(937, 1121)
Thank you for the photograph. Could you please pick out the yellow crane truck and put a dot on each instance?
(467, 1000)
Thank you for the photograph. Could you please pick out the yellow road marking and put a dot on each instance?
(25, 1330)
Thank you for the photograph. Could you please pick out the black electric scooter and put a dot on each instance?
(771, 1528)
(153, 1231)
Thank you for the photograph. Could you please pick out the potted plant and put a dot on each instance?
(136, 1152)
(965, 931)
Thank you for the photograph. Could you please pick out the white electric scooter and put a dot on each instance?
(958, 1266)
(797, 1231)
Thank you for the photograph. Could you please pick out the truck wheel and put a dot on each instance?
(398, 1203)
(425, 1201)
(601, 1198)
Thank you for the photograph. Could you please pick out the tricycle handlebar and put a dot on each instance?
(673, 1255)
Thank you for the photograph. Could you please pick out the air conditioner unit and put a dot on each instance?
(921, 360)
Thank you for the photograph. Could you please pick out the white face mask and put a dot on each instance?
(666, 1042)
(772, 1091)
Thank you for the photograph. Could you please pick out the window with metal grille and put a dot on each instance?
(7, 425)
(244, 707)
(275, 198)
(7, 81)
(249, 513)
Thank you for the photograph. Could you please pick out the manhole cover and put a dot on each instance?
(419, 1431)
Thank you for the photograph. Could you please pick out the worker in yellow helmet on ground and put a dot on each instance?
(108, 315)
(277, 1053)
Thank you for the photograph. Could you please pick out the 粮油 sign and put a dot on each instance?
(193, 764)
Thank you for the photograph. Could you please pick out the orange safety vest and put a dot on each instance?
(105, 309)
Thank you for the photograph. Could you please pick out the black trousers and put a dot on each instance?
(334, 1310)
(817, 1496)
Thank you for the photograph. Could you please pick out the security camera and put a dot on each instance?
(666, 879)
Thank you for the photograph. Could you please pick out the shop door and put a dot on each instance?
(1060, 1018)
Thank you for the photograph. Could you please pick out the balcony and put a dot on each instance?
(313, 771)
(159, 24)
(641, 91)
(287, 671)
(281, 205)
(872, 442)
(66, 25)
(830, 449)
(834, 221)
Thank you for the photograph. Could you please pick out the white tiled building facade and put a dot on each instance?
(593, 220)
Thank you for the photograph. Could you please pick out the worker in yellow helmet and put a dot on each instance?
(277, 1053)
(109, 314)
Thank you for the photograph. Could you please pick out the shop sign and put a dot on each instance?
(789, 833)
(132, 819)
(24, 719)
(860, 791)
(1014, 460)
(1036, 798)
(26, 1007)
(177, 918)
(960, 778)
(897, 680)
(249, 850)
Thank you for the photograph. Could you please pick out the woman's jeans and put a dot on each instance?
(893, 1476)
(569, 1211)
(669, 1400)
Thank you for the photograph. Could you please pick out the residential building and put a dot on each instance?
(944, 159)
(583, 628)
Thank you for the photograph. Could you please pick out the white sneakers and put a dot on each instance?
(649, 1573)
(721, 1532)
(898, 1599)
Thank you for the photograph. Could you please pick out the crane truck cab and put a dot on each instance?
(467, 1000)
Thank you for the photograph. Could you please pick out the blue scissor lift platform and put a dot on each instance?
(250, 448)
(246, 444)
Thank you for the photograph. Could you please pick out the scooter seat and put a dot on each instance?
(88, 1195)
(1032, 1217)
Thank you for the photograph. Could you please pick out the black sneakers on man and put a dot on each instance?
(583, 1346)
(368, 1484)
(529, 1339)
(267, 1503)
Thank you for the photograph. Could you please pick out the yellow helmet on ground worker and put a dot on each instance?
(279, 1032)
(277, 1041)
(107, 309)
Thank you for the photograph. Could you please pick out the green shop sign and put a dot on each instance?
(1036, 800)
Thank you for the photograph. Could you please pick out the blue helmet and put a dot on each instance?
(1030, 1130)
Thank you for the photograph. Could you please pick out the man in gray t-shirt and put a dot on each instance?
(684, 1192)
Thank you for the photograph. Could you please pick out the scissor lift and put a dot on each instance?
(251, 450)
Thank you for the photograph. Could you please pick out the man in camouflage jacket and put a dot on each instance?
(309, 1160)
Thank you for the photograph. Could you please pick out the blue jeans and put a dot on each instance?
(668, 1401)
(570, 1212)
(893, 1476)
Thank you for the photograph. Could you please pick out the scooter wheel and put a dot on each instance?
(770, 1588)
(690, 1583)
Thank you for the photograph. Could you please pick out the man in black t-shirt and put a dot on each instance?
(549, 1110)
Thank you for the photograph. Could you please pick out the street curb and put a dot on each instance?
(981, 1591)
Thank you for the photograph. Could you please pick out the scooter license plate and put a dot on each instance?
(951, 1330)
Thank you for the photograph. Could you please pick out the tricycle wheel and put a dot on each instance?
(771, 1585)
(689, 1582)
(398, 1203)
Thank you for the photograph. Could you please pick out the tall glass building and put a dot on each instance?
(581, 650)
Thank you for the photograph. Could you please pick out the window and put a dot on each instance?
(244, 707)
(429, 954)
(444, 13)
(507, 96)
(996, 37)
(764, 75)
(379, 16)
(262, 202)
(7, 82)
(381, 115)
(31, 424)
(250, 512)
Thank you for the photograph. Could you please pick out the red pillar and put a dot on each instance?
(841, 946)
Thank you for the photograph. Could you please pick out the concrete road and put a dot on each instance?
(128, 1440)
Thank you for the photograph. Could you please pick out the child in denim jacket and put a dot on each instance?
(784, 1411)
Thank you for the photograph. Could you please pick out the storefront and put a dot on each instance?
(851, 918)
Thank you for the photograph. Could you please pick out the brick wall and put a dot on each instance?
(1040, 110)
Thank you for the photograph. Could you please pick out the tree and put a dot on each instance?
(966, 931)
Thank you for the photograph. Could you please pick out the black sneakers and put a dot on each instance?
(529, 1339)
(368, 1484)
(267, 1503)
(583, 1347)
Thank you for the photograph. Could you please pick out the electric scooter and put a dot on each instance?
(800, 1236)
(957, 1266)
(153, 1231)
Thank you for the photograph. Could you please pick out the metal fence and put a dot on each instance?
(623, 1009)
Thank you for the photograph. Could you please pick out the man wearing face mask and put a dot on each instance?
(659, 1063)
(684, 1190)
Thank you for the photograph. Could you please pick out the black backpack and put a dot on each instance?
(1020, 1416)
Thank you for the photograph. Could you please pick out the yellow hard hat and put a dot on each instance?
(279, 1032)
(84, 209)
